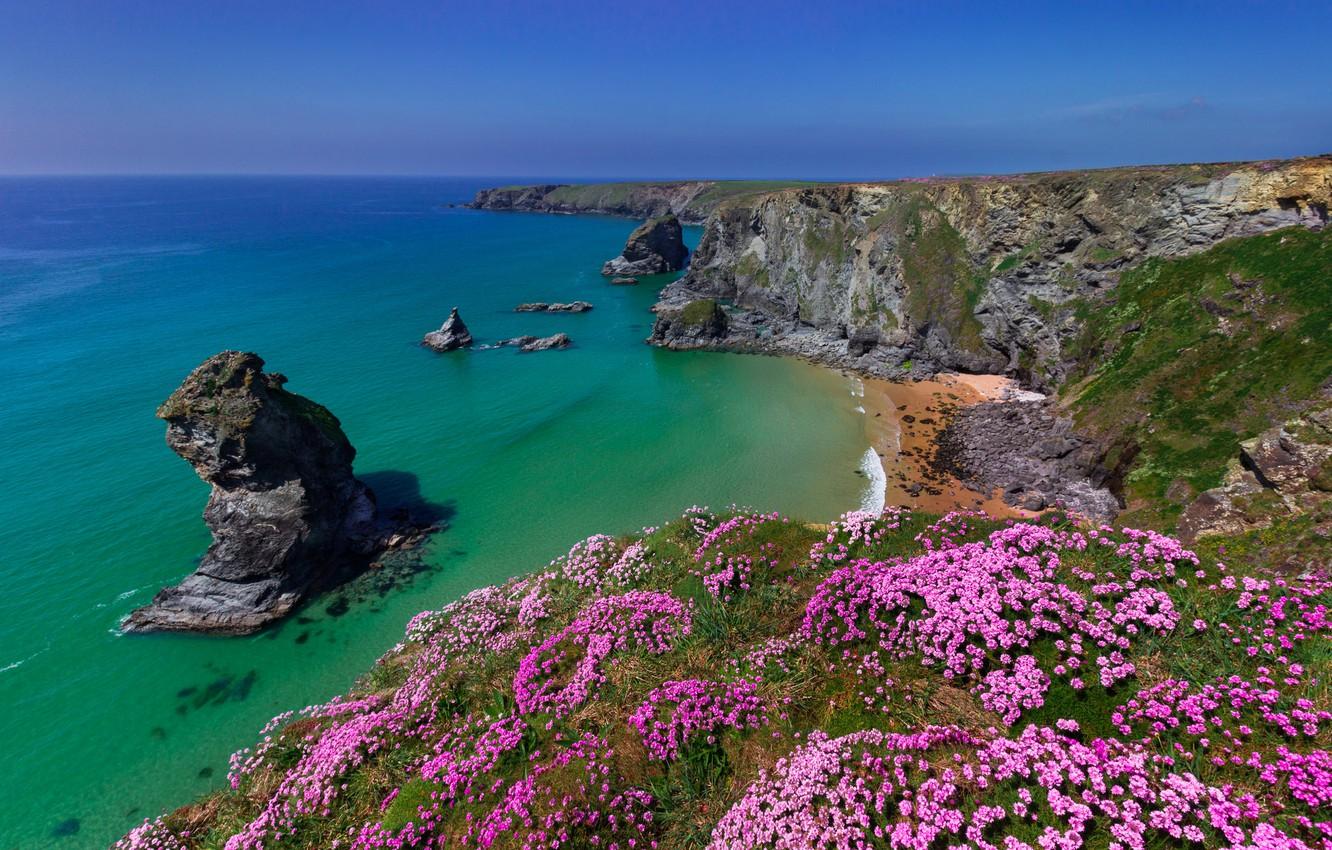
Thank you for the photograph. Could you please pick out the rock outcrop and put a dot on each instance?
(1284, 472)
(624, 281)
(979, 274)
(697, 324)
(543, 307)
(285, 511)
(536, 343)
(1027, 449)
(655, 247)
(453, 334)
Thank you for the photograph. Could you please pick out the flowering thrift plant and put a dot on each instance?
(896, 680)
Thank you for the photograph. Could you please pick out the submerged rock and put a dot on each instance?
(452, 334)
(543, 307)
(536, 343)
(284, 511)
(624, 281)
(655, 246)
(697, 324)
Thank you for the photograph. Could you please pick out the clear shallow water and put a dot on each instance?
(111, 290)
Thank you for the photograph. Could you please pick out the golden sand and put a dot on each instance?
(902, 421)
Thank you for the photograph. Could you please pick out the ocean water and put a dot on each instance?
(111, 290)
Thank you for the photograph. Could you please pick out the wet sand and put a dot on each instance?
(902, 420)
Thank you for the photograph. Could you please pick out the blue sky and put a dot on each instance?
(823, 90)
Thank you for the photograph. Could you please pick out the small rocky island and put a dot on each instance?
(656, 246)
(529, 343)
(286, 513)
(543, 307)
(451, 335)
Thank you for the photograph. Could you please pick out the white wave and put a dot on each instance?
(860, 409)
(876, 488)
(20, 662)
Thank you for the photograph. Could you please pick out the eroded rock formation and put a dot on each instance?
(285, 511)
(451, 335)
(655, 247)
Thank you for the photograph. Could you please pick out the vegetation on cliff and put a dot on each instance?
(742, 680)
(1187, 356)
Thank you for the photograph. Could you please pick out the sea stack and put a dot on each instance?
(656, 246)
(452, 334)
(285, 509)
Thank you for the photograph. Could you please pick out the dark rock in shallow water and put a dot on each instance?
(543, 307)
(624, 281)
(697, 324)
(66, 828)
(536, 343)
(285, 511)
(451, 335)
(655, 246)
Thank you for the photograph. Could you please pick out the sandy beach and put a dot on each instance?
(902, 420)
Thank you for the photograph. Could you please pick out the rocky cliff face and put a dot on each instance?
(285, 510)
(976, 274)
(655, 247)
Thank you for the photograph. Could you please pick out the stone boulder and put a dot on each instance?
(656, 246)
(1284, 472)
(451, 335)
(285, 510)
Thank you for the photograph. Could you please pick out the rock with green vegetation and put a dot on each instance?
(1190, 356)
(696, 324)
(655, 247)
(1283, 473)
(285, 511)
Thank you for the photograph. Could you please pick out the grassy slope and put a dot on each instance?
(692, 792)
(1191, 355)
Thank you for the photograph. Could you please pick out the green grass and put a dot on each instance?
(1183, 363)
(699, 312)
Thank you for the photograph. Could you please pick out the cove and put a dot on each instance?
(113, 289)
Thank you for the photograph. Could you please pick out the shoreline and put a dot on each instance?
(903, 420)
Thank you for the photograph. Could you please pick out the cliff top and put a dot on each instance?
(724, 679)
(693, 200)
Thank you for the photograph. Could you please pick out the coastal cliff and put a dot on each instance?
(691, 201)
(980, 274)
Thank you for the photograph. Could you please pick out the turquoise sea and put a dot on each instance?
(112, 289)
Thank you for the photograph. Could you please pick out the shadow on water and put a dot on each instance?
(397, 491)
(367, 581)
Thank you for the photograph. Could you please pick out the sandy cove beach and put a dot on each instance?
(902, 421)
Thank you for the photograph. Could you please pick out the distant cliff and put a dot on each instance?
(691, 201)
(977, 274)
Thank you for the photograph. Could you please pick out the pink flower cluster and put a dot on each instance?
(726, 571)
(561, 673)
(977, 611)
(677, 713)
(574, 799)
(855, 534)
(152, 835)
(943, 787)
